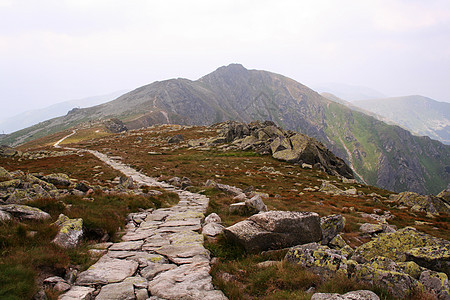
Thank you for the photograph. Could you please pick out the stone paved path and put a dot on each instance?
(161, 256)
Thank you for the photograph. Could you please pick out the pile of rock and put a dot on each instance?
(267, 138)
(249, 201)
(432, 205)
(399, 262)
(212, 226)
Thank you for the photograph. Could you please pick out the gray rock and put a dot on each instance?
(141, 294)
(436, 282)
(331, 227)
(4, 216)
(107, 270)
(127, 246)
(213, 218)
(212, 229)
(61, 287)
(190, 282)
(276, 230)
(239, 208)
(25, 212)
(70, 232)
(154, 269)
(255, 204)
(355, 295)
(117, 291)
(371, 228)
(59, 179)
(175, 139)
(78, 293)
(126, 182)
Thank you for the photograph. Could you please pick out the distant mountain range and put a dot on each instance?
(349, 92)
(420, 115)
(33, 117)
(380, 154)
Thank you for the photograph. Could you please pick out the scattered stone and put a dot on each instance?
(355, 295)
(428, 203)
(212, 229)
(213, 218)
(331, 227)
(176, 139)
(255, 204)
(126, 182)
(275, 230)
(70, 232)
(78, 293)
(239, 208)
(330, 189)
(24, 212)
(268, 263)
(59, 179)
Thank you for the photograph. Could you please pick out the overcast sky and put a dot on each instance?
(52, 51)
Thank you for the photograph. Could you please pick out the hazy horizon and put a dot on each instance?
(54, 51)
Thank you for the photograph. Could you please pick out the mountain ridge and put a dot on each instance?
(384, 155)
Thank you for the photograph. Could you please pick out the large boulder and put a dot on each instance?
(410, 244)
(25, 212)
(70, 232)
(276, 230)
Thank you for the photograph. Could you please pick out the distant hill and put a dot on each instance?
(32, 117)
(379, 154)
(349, 92)
(421, 115)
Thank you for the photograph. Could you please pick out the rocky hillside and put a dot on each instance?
(421, 115)
(189, 212)
(379, 154)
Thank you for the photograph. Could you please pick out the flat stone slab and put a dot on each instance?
(184, 253)
(190, 281)
(154, 269)
(117, 291)
(138, 235)
(77, 293)
(107, 270)
(127, 246)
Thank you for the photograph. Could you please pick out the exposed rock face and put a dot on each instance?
(276, 230)
(70, 232)
(115, 126)
(428, 203)
(266, 137)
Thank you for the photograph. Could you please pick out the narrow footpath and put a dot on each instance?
(161, 256)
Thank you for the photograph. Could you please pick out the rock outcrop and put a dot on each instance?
(275, 230)
(267, 138)
(425, 203)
